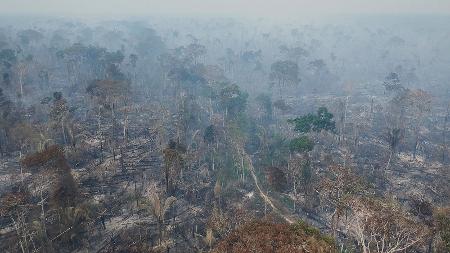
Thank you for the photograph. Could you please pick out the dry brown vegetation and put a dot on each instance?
(266, 236)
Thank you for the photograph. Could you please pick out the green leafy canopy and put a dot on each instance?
(301, 144)
(323, 120)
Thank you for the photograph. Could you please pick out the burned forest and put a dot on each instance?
(214, 133)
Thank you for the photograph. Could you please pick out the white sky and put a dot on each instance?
(278, 8)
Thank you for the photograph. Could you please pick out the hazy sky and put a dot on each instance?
(226, 7)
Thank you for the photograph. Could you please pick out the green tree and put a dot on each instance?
(284, 73)
(233, 100)
(323, 120)
(5, 120)
(301, 144)
(8, 59)
(210, 134)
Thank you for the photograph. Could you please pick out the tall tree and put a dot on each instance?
(284, 73)
(323, 120)
(8, 59)
(233, 100)
(6, 120)
(173, 165)
(60, 114)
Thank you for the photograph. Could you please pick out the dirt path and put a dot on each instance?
(279, 208)
(261, 192)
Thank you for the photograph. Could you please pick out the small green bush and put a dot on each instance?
(301, 144)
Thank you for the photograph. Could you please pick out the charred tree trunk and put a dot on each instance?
(416, 141)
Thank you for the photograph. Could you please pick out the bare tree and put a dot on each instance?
(382, 226)
(159, 205)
